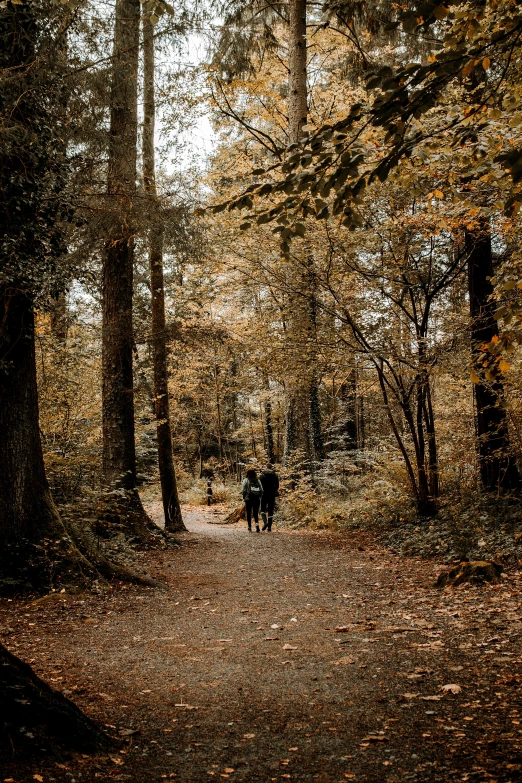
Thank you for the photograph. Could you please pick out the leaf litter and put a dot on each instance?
(324, 710)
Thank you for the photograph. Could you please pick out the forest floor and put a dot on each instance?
(283, 656)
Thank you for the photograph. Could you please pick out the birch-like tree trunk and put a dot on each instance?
(169, 490)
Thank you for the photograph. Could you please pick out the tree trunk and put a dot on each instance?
(433, 460)
(59, 320)
(38, 550)
(297, 403)
(119, 454)
(36, 718)
(348, 396)
(303, 413)
(35, 551)
(252, 435)
(169, 490)
(361, 430)
(269, 430)
(297, 94)
(119, 459)
(498, 470)
(218, 411)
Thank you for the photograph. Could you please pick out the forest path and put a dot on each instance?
(283, 656)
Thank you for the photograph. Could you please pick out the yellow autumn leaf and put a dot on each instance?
(486, 62)
(474, 377)
(504, 366)
(438, 193)
(468, 68)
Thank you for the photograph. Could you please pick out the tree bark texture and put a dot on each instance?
(297, 94)
(303, 419)
(169, 489)
(36, 718)
(35, 551)
(498, 470)
(26, 507)
(119, 456)
(303, 433)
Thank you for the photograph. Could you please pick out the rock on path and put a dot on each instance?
(283, 656)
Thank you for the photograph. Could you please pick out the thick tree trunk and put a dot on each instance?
(119, 459)
(169, 490)
(303, 413)
(498, 470)
(36, 718)
(35, 551)
(38, 551)
(119, 454)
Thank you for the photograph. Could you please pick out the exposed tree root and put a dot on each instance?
(233, 518)
(43, 565)
(88, 544)
(122, 512)
(36, 718)
(69, 556)
(476, 573)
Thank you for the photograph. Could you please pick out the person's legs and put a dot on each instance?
(270, 512)
(263, 513)
(248, 506)
(255, 510)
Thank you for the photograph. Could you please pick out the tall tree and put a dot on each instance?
(297, 70)
(303, 412)
(498, 470)
(31, 179)
(119, 453)
(169, 491)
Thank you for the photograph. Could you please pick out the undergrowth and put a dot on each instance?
(374, 497)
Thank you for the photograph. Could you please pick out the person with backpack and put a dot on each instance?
(270, 482)
(252, 493)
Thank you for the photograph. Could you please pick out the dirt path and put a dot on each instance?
(283, 656)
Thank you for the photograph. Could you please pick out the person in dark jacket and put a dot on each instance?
(270, 481)
(252, 493)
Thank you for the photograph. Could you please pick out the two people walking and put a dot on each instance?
(260, 492)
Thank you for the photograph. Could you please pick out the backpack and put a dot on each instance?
(255, 489)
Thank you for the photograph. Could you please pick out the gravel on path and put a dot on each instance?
(282, 656)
